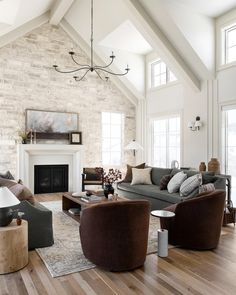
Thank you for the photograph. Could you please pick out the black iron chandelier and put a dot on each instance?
(102, 71)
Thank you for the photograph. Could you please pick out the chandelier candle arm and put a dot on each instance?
(79, 79)
(72, 57)
(71, 71)
(116, 74)
(92, 67)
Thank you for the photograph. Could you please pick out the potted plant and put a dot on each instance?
(109, 178)
(23, 135)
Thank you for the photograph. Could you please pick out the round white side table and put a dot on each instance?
(13, 247)
(162, 234)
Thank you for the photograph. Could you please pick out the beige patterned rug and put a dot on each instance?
(66, 255)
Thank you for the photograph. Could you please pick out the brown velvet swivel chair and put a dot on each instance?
(197, 222)
(114, 235)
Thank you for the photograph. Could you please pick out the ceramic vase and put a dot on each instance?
(202, 167)
(109, 189)
(214, 165)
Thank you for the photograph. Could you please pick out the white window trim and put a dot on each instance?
(150, 136)
(122, 138)
(223, 22)
(223, 107)
(150, 76)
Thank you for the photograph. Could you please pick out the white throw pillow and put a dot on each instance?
(141, 176)
(175, 182)
(189, 185)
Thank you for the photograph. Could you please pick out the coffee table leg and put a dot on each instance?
(162, 235)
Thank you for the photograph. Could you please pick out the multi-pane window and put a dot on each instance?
(160, 74)
(229, 44)
(165, 141)
(112, 138)
(229, 145)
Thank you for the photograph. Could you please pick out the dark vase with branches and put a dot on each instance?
(109, 178)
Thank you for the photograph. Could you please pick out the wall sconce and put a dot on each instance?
(195, 126)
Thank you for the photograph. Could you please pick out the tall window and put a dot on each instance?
(229, 46)
(112, 138)
(161, 74)
(229, 144)
(165, 141)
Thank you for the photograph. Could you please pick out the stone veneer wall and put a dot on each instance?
(28, 81)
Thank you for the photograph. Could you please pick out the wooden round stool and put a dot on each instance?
(13, 247)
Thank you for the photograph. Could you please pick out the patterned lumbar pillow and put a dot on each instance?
(209, 187)
(141, 176)
(164, 181)
(189, 185)
(175, 182)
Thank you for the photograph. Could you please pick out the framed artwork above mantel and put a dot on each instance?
(51, 124)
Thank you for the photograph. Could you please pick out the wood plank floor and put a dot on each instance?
(183, 272)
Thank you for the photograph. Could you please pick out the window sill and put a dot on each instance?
(226, 66)
(170, 84)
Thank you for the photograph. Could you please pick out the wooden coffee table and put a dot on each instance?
(68, 202)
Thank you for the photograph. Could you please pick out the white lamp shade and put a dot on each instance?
(7, 199)
(134, 145)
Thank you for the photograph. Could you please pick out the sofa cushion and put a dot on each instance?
(175, 182)
(128, 176)
(141, 176)
(151, 191)
(175, 171)
(208, 178)
(189, 185)
(158, 173)
(7, 175)
(19, 190)
(164, 181)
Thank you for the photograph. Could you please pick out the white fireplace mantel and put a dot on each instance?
(50, 154)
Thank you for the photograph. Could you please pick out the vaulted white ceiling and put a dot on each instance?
(14, 13)
(211, 8)
(175, 29)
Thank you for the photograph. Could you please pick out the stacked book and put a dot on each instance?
(92, 198)
(74, 211)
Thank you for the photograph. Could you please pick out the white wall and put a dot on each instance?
(178, 98)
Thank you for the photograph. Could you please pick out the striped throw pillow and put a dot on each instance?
(175, 182)
(189, 185)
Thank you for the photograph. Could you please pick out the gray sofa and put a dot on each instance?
(160, 199)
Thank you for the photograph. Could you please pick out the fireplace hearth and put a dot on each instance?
(50, 178)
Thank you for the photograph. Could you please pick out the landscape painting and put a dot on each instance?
(51, 122)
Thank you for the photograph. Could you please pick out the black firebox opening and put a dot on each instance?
(50, 178)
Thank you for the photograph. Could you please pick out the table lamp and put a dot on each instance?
(7, 199)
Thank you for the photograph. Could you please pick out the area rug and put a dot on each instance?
(66, 255)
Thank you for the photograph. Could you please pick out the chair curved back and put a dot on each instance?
(114, 235)
(197, 222)
(92, 176)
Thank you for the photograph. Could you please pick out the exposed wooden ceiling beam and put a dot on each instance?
(24, 29)
(59, 10)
